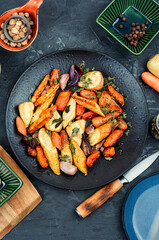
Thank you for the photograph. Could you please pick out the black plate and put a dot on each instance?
(103, 171)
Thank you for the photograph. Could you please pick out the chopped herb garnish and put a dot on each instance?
(82, 65)
(129, 124)
(85, 82)
(93, 68)
(35, 165)
(48, 132)
(74, 132)
(127, 132)
(29, 138)
(86, 70)
(65, 158)
(120, 151)
(67, 109)
(104, 110)
(30, 97)
(90, 96)
(108, 158)
(58, 121)
(98, 93)
(72, 148)
(70, 123)
(36, 140)
(54, 81)
(135, 107)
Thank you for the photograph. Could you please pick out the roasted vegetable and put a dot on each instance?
(100, 133)
(88, 94)
(89, 129)
(41, 157)
(32, 152)
(86, 147)
(26, 112)
(109, 152)
(150, 80)
(56, 140)
(68, 168)
(55, 74)
(62, 100)
(69, 113)
(40, 122)
(21, 126)
(113, 138)
(118, 96)
(40, 88)
(89, 104)
(92, 158)
(63, 80)
(153, 65)
(98, 121)
(41, 108)
(122, 124)
(86, 116)
(75, 73)
(55, 123)
(79, 109)
(92, 80)
(107, 102)
(76, 129)
(79, 157)
(46, 95)
(49, 150)
(97, 146)
(65, 148)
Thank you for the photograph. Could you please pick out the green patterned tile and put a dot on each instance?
(145, 9)
(10, 184)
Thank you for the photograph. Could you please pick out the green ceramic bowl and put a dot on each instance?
(134, 11)
(11, 183)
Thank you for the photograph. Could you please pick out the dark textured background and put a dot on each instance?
(69, 24)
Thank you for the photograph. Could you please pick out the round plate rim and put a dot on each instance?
(126, 197)
(75, 50)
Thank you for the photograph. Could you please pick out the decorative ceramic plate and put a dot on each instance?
(136, 108)
(134, 11)
(141, 210)
(10, 182)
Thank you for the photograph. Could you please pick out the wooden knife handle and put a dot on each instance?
(97, 199)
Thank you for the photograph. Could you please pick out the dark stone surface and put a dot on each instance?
(68, 24)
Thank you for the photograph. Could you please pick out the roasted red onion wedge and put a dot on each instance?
(97, 146)
(68, 168)
(89, 129)
(86, 147)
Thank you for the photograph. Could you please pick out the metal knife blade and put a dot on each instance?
(139, 168)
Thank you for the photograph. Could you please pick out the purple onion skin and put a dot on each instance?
(75, 80)
(86, 147)
(79, 70)
(97, 146)
(72, 72)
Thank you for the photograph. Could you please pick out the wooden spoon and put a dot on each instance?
(32, 7)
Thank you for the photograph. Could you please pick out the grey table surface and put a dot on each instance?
(69, 24)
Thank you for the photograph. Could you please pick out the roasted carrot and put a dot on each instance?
(45, 111)
(62, 100)
(98, 121)
(55, 74)
(89, 104)
(40, 88)
(64, 138)
(150, 80)
(51, 91)
(32, 152)
(88, 94)
(122, 124)
(87, 115)
(42, 120)
(79, 109)
(106, 101)
(113, 138)
(41, 157)
(92, 158)
(56, 140)
(109, 152)
(118, 96)
(21, 126)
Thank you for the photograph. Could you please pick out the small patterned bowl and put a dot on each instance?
(10, 182)
(134, 11)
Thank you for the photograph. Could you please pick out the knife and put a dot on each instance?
(101, 196)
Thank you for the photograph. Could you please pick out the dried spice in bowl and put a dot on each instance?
(16, 31)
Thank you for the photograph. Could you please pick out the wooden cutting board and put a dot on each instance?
(21, 204)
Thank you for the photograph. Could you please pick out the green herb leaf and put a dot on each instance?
(65, 158)
(129, 124)
(72, 148)
(98, 93)
(37, 140)
(127, 132)
(74, 132)
(108, 158)
(67, 109)
(104, 110)
(120, 151)
(48, 132)
(30, 97)
(70, 123)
